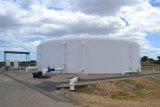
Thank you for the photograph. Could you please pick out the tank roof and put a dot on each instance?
(68, 38)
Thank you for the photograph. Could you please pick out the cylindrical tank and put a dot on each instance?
(89, 54)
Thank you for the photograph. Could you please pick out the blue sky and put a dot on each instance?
(155, 3)
(126, 22)
(154, 38)
(26, 23)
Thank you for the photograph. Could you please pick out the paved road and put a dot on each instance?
(15, 94)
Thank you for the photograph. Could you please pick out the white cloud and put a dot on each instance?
(143, 16)
(78, 23)
(28, 19)
(35, 43)
(101, 7)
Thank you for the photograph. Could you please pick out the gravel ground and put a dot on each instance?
(136, 92)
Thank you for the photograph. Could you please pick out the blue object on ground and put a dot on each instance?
(50, 69)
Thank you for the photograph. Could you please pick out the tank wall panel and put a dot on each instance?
(101, 55)
(106, 56)
(51, 55)
(74, 56)
(136, 57)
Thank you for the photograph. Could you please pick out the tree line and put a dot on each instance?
(147, 59)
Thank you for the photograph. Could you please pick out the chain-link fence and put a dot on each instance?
(21, 64)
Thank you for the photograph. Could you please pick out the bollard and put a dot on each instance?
(153, 69)
(71, 86)
(72, 83)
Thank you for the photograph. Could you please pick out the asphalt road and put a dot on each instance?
(15, 94)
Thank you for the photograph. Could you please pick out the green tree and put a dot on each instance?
(144, 58)
(158, 57)
(150, 59)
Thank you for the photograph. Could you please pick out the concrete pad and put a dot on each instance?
(15, 94)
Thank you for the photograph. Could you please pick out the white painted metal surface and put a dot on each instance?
(89, 55)
(8, 63)
(16, 64)
(72, 83)
(31, 68)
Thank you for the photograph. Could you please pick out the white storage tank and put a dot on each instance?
(93, 55)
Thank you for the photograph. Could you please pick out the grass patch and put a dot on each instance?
(120, 95)
(138, 92)
(127, 95)
(46, 77)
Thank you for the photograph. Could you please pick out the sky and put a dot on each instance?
(26, 23)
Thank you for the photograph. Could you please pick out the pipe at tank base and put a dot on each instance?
(72, 83)
(132, 72)
(44, 72)
(31, 68)
(59, 69)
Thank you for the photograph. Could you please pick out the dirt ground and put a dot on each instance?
(138, 92)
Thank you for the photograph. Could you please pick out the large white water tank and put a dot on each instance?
(89, 54)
